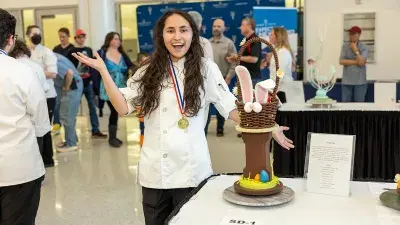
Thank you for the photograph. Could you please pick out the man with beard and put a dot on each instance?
(222, 48)
(23, 117)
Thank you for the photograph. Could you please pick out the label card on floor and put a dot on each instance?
(329, 163)
(237, 220)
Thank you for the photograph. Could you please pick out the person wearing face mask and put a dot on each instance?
(48, 61)
(175, 156)
(23, 117)
(118, 64)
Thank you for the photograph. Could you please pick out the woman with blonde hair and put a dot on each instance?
(280, 39)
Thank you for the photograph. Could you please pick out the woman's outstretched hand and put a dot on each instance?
(96, 63)
(282, 140)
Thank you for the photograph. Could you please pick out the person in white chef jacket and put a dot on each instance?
(23, 116)
(48, 61)
(174, 157)
(22, 53)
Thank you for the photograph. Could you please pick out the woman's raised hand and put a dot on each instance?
(96, 63)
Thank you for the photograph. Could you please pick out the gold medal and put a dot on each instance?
(183, 123)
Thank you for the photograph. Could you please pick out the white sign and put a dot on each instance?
(329, 163)
(231, 220)
(294, 91)
(385, 94)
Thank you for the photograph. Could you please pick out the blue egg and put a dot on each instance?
(264, 177)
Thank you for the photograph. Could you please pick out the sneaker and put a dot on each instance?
(100, 135)
(56, 128)
(67, 148)
(220, 134)
(61, 144)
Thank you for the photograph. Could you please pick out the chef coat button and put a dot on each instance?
(186, 153)
(164, 109)
(165, 155)
(165, 132)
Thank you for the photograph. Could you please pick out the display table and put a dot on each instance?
(377, 130)
(207, 207)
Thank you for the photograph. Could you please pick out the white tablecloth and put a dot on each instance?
(363, 207)
(342, 107)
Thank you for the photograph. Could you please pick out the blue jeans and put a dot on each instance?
(56, 112)
(69, 107)
(89, 95)
(354, 93)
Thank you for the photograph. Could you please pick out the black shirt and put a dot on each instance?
(253, 50)
(64, 51)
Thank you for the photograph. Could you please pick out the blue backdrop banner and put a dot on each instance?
(232, 12)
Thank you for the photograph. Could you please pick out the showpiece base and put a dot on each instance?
(321, 103)
(390, 199)
(258, 192)
(285, 196)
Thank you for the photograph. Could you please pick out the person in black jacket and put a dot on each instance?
(118, 64)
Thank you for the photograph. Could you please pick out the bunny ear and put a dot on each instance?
(261, 94)
(246, 84)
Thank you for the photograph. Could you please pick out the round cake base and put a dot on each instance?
(254, 192)
(321, 103)
(391, 199)
(285, 196)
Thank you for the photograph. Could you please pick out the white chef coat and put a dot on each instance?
(23, 116)
(38, 71)
(172, 157)
(48, 61)
(207, 48)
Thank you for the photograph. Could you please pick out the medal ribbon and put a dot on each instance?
(180, 99)
(2, 52)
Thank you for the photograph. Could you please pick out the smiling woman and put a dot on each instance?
(173, 89)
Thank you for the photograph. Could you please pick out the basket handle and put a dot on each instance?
(275, 55)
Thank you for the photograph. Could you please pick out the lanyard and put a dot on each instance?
(180, 99)
(2, 52)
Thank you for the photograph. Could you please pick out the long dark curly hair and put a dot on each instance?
(151, 82)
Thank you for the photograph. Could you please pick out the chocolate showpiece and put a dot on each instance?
(257, 122)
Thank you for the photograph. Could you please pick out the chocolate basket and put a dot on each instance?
(265, 118)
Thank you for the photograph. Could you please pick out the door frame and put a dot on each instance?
(19, 28)
(41, 12)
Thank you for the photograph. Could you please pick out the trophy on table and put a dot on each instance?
(323, 82)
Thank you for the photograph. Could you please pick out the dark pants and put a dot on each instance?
(220, 122)
(159, 203)
(19, 203)
(40, 144)
(47, 154)
(113, 119)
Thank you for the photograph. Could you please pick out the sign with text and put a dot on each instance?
(227, 220)
(329, 163)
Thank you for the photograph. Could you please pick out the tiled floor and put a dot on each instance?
(97, 185)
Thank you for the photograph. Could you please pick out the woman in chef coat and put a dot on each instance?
(173, 90)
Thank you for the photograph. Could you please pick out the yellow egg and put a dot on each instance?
(257, 177)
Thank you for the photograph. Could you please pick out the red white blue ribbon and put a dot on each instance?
(178, 94)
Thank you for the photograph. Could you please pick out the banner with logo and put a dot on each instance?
(232, 12)
(269, 17)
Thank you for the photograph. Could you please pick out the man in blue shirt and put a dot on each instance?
(353, 58)
(69, 80)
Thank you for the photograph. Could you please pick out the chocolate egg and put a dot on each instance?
(264, 177)
(257, 177)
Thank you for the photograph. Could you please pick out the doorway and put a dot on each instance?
(51, 20)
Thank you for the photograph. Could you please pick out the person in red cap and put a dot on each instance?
(353, 58)
(85, 72)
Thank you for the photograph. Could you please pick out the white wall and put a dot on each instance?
(387, 35)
